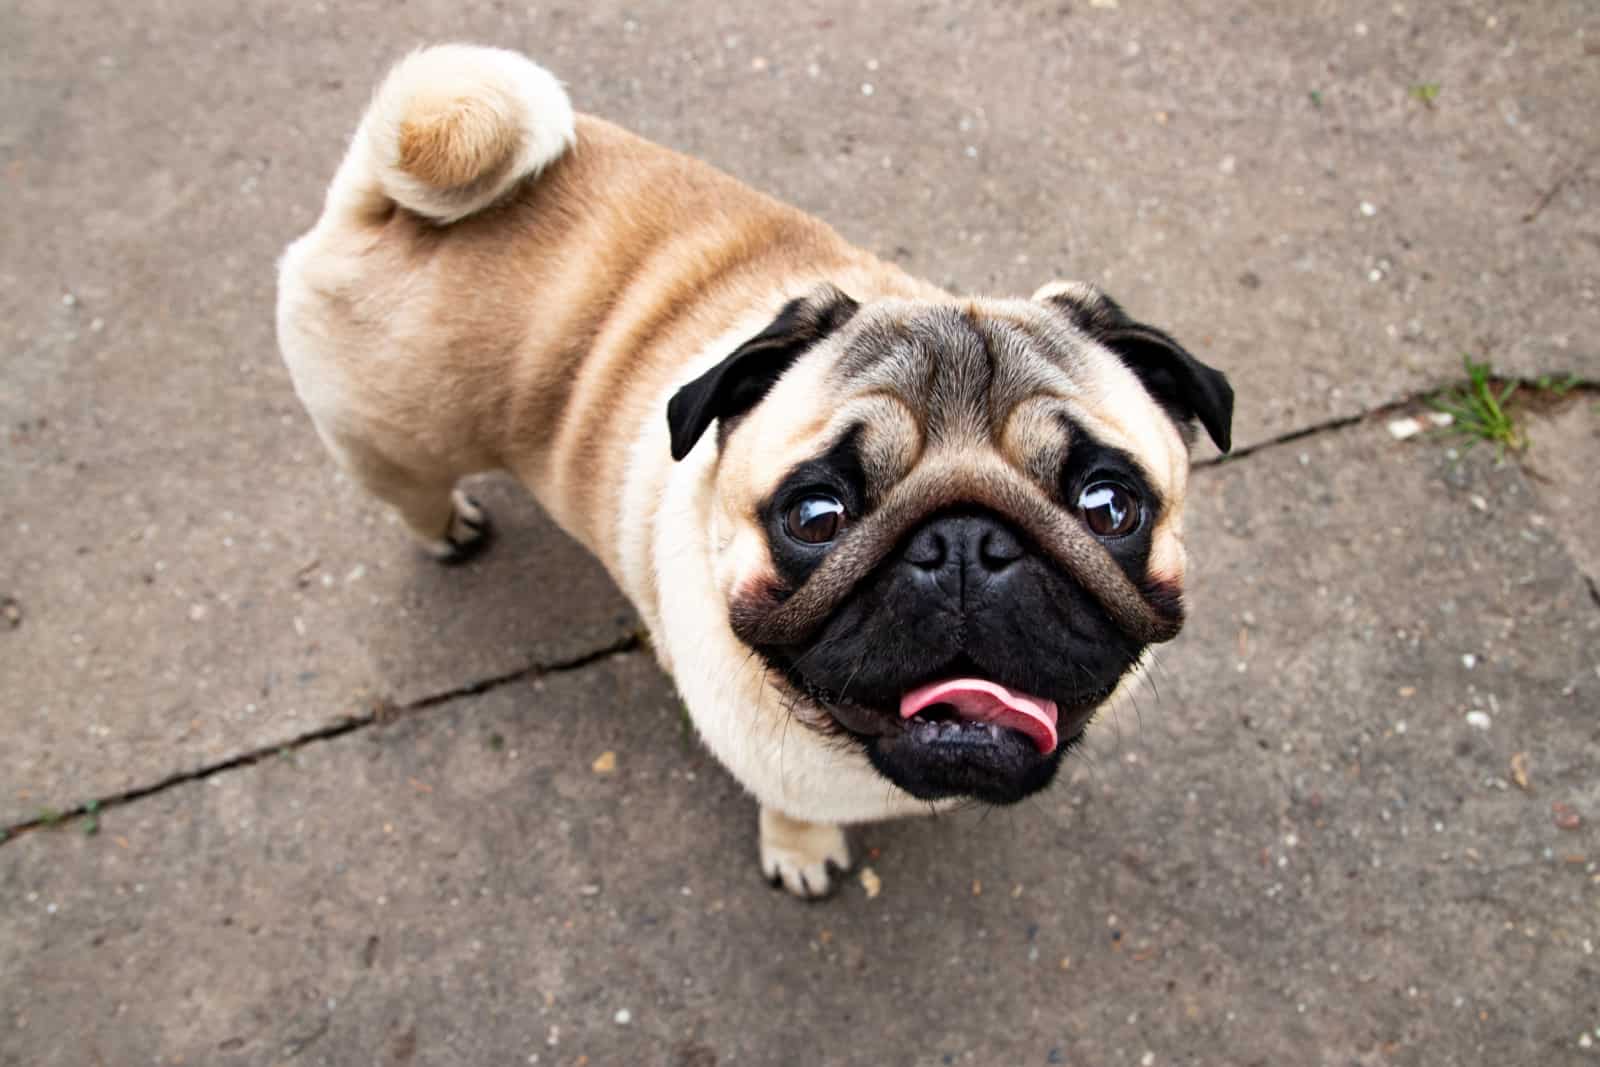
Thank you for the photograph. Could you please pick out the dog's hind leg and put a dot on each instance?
(448, 524)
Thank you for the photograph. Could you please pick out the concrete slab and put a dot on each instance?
(163, 492)
(167, 624)
(1303, 851)
(1563, 445)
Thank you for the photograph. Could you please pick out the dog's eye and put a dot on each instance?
(815, 520)
(1109, 509)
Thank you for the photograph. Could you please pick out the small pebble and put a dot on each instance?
(1401, 429)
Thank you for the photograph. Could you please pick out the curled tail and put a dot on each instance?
(451, 130)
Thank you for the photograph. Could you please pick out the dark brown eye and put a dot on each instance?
(815, 520)
(1109, 509)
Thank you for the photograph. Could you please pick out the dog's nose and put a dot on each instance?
(973, 547)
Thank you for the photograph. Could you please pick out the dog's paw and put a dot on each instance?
(803, 857)
(468, 534)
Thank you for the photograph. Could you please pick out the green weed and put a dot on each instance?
(1557, 387)
(1479, 412)
(1426, 92)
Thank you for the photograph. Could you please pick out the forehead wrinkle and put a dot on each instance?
(1033, 439)
(962, 373)
(1025, 369)
(960, 370)
(883, 356)
(889, 446)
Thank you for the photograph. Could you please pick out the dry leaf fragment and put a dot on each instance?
(605, 763)
(871, 882)
(1519, 771)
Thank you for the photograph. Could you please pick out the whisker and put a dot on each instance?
(1149, 676)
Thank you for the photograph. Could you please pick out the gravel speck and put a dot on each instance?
(1565, 816)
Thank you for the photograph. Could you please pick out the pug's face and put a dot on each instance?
(951, 530)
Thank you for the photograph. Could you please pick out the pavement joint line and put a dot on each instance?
(1583, 387)
(383, 715)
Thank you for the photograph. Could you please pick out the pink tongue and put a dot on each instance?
(985, 701)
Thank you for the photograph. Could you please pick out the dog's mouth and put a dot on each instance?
(959, 735)
(976, 709)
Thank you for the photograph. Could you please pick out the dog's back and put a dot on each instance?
(487, 264)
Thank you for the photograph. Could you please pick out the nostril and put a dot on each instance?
(927, 550)
(998, 549)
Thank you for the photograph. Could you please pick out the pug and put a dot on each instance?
(896, 547)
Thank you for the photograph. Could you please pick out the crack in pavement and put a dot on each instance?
(386, 714)
(380, 715)
(1582, 387)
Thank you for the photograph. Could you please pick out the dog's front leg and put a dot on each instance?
(802, 856)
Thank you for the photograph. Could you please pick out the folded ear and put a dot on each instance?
(1185, 387)
(738, 383)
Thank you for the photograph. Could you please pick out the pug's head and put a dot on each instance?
(951, 530)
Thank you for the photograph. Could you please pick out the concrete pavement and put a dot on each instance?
(1357, 824)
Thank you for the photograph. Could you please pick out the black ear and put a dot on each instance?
(1187, 388)
(739, 382)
